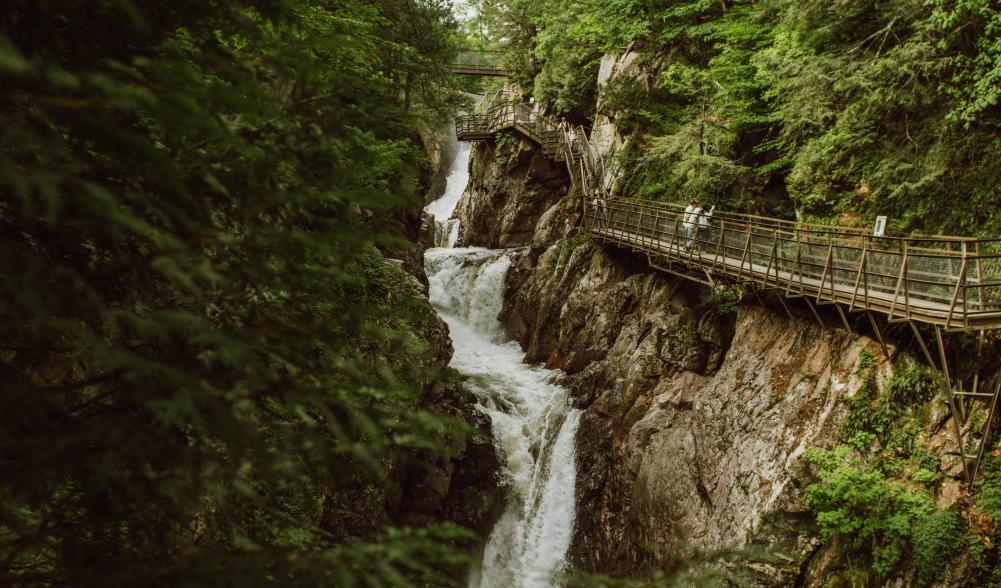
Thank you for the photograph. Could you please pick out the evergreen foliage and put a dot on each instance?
(209, 368)
(808, 108)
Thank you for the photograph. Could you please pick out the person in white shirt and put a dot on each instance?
(688, 221)
(600, 209)
(705, 221)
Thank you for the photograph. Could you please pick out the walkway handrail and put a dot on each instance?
(478, 58)
(478, 63)
(503, 116)
(953, 282)
(559, 141)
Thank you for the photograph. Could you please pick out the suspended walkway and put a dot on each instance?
(478, 63)
(559, 141)
(950, 284)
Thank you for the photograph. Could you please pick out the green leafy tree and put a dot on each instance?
(214, 369)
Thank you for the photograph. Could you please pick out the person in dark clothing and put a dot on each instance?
(705, 226)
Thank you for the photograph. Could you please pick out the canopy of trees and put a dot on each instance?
(206, 363)
(826, 109)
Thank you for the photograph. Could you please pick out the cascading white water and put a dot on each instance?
(446, 229)
(533, 425)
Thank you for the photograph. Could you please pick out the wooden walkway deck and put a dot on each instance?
(952, 282)
(561, 142)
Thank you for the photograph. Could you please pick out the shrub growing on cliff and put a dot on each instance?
(887, 415)
(875, 490)
(937, 539)
(984, 519)
(879, 516)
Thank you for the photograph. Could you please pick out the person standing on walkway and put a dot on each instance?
(600, 208)
(688, 221)
(705, 215)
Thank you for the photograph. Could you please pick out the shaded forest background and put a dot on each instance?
(208, 367)
(815, 109)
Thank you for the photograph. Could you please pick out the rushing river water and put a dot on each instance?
(533, 425)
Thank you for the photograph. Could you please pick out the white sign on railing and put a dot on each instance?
(880, 226)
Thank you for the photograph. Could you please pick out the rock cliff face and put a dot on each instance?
(703, 454)
(511, 186)
(698, 408)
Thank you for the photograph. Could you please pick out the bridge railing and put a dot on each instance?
(950, 281)
(505, 115)
(559, 141)
(478, 63)
(473, 58)
(472, 125)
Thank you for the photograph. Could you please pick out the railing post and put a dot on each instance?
(901, 281)
(719, 245)
(656, 227)
(673, 248)
(827, 265)
(799, 263)
(861, 270)
(980, 279)
(773, 258)
(746, 254)
(722, 241)
(907, 288)
(959, 284)
(625, 221)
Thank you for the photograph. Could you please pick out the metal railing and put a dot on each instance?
(561, 142)
(505, 116)
(953, 282)
(948, 282)
(478, 63)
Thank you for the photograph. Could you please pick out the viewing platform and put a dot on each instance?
(506, 116)
(558, 142)
(951, 282)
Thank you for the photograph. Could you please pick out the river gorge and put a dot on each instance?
(635, 418)
(531, 420)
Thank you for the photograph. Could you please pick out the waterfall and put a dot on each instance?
(532, 423)
(447, 230)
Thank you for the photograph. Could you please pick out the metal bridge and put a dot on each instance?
(478, 63)
(558, 140)
(946, 283)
